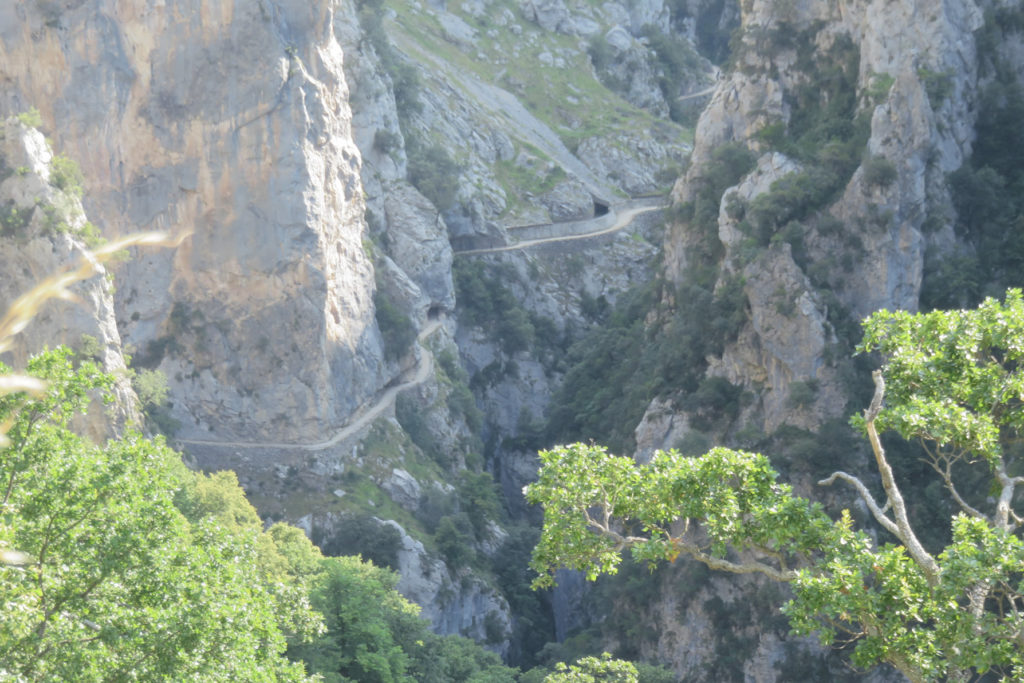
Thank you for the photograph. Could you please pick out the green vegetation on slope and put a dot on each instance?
(119, 563)
(118, 578)
(949, 379)
(986, 190)
(546, 71)
(656, 339)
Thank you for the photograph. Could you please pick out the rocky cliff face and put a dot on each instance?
(235, 123)
(816, 242)
(232, 123)
(914, 72)
(44, 232)
(278, 134)
(332, 330)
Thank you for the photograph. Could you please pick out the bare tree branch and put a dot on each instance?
(1003, 509)
(903, 529)
(947, 479)
(862, 490)
(751, 567)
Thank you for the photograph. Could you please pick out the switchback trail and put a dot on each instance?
(623, 219)
(363, 416)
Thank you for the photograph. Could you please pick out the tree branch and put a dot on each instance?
(877, 512)
(621, 542)
(1003, 509)
(693, 550)
(752, 567)
(903, 529)
(947, 478)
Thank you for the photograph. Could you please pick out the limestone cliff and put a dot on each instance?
(314, 301)
(852, 116)
(232, 122)
(43, 231)
(866, 245)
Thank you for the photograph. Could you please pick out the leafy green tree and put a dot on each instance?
(112, 580)
(954, 381)
(374, 635)
(433, 173)
(454, 659)
(150, 386)
(366, 620)
(601, 669)
(118, 563)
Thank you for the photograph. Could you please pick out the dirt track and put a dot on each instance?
(363, 416)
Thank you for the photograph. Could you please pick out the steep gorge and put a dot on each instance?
(356, 178)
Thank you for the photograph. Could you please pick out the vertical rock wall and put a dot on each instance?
(230, 120)
(916, 87)
(33, 248)
(916, 82)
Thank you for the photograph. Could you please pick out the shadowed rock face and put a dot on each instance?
(230, 120)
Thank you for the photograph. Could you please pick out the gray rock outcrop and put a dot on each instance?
(471, 610)
(234, 125)
(41, 236)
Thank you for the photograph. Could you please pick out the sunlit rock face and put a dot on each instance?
(40, 238)
(229, 120)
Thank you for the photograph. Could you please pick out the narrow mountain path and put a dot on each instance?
(623, 219)
(706, 91)
(363, 416)
(367, 413)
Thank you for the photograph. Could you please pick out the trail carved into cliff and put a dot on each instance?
(364, 415)
(694, 95)
(622, 220)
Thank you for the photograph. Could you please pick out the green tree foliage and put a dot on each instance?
(454, 539)
(728, 164)
(14, 220)
(676, 58)
(366, 620)
(150, 386)
(879, 171)
(31, 118)
(619, 366)
(479, 498)
(485, 301)
(405, 80)
(951, 380)
(374, 635)
(824, 131)
(433, 172)
(987, 188)
(130, 565)
(395, 327)
(601, 669)
(990, 210)
(65, 175)
(365, 536)
(534, 622)
(116, 580)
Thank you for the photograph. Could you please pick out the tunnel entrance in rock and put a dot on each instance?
(600, 208)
